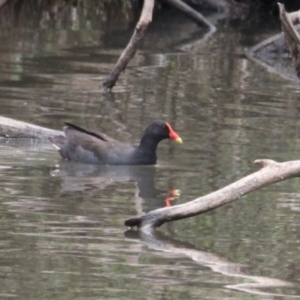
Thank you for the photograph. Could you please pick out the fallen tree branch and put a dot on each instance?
(10, 128)
(294, 16)
(192, 13)
(134, 43)
(291, 35)
(272, 53)
(271, 172)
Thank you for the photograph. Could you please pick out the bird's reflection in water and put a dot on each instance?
(90, 178)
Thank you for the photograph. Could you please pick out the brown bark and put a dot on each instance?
(134, 43)
(10, 128)
(291, 35)
(271, 172)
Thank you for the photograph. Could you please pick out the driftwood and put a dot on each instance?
(139, 32)
(273, 53)
(10, 128)
(293, 16)
(273, 56)
(271, 172)
(291, 35)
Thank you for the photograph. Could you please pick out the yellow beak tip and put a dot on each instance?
(176, 193)
(178, 140)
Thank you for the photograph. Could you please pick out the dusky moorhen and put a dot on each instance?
(93, 147)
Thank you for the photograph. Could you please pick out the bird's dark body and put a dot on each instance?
(93, 147)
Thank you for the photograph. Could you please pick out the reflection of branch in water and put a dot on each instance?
(160, 242)
(195, 43)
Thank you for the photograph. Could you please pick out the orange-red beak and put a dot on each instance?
(173, 135)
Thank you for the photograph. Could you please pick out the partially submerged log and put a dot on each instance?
(271, 172)
(291, 35)
(10, 128)
(273, 53)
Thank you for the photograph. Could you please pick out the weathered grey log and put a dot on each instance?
(291, 35)
(270, 173)
(273, 53)
(10, 128)
(131, 48)
(294, 16)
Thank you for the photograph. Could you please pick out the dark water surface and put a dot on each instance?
(62, 234)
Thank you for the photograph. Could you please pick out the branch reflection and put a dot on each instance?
(254, 284)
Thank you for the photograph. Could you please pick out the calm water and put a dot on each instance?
(62, 234)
